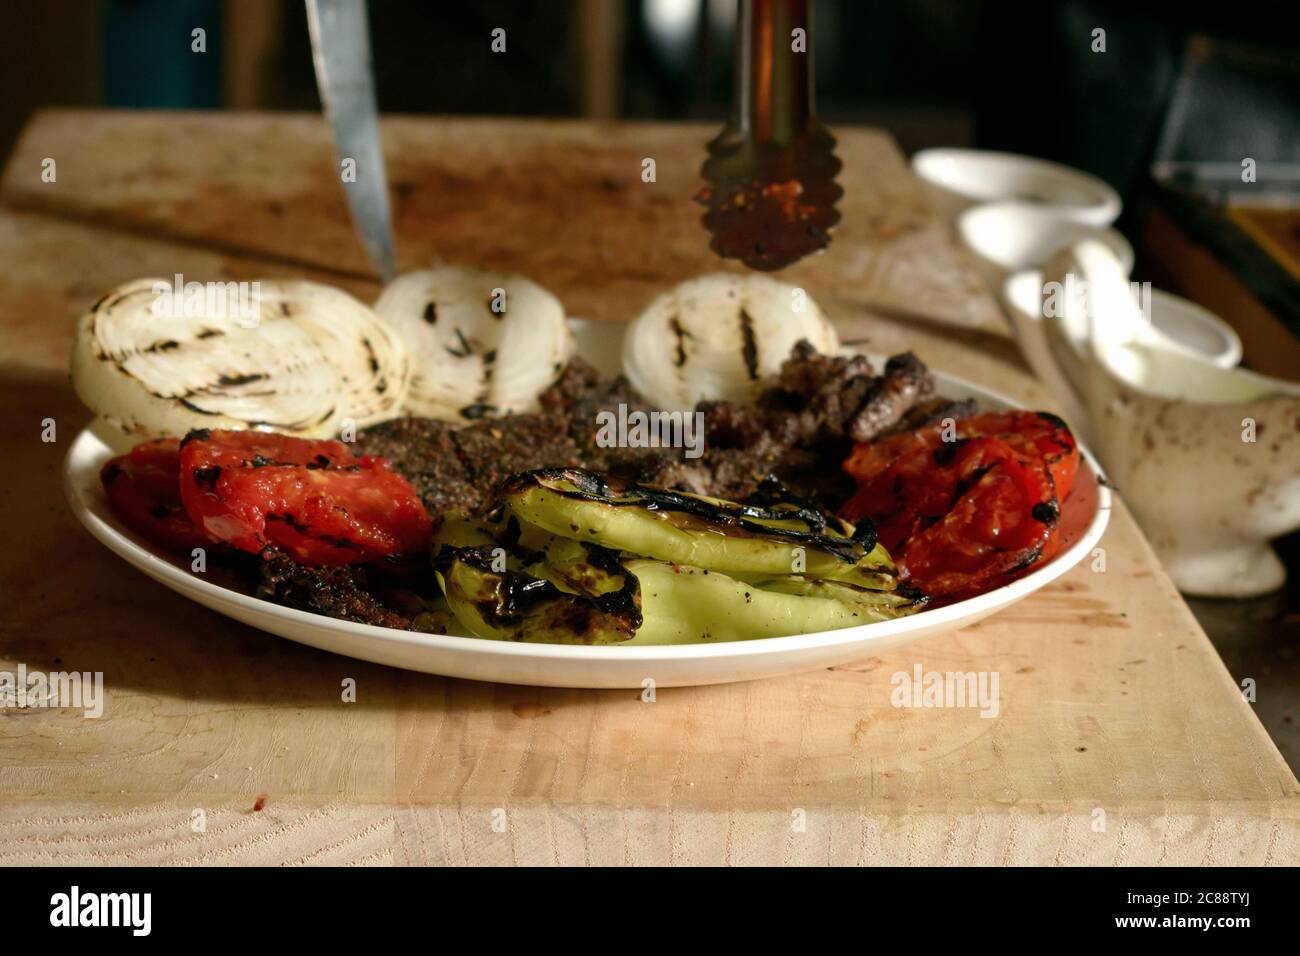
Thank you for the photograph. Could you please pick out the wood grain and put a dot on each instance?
(1112, 699)
(563, 202)
(293, 833)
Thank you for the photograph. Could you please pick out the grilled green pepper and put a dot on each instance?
(713, 570)
(694, 530)
(516, 606)
(462, 531)
(686, 605)
(574, 566)
(887, 602)
(657, 603)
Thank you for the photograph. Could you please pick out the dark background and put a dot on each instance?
(999, 74)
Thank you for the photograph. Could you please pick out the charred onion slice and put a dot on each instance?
(314, 499)
(372, 362)
(718, 337)
(481, 343)
(157, 366)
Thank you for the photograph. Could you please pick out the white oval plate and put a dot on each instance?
(1083, 520)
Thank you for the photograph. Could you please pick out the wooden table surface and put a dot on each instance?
(1121, 738)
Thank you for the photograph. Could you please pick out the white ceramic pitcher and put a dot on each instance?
(1207, 457)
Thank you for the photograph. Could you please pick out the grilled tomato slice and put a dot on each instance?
(961, 517)
(315, 499)
(1033, 436)
(143, 488)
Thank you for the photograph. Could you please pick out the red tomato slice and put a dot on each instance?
(314, 499)
(867, 462)
(922, 482)
(961, 517)
(998, 525)
(1034, 436)
(143, 489)
(898, 484)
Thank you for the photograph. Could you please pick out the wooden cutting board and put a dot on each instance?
(1120, 737)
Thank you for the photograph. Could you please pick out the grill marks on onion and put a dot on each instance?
(718, 337)
(153, 371)
(749, 345)
(462, 348)
(373, 363)
(680, 335)
(310, 357)
(469, 359)
(489, 366)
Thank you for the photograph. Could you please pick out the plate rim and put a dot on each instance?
(105, 528)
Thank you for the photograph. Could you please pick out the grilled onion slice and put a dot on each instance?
(371, 359)
(717, 337)
(155, 371)
(482, 343)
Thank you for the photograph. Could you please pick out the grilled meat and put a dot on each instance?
(457, 468)
(905, 383)
(814, 411)
(350, 593)
(931, 412)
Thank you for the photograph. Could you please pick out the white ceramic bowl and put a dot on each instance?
(955, 179)
(1009, 237)
(1083, 520)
